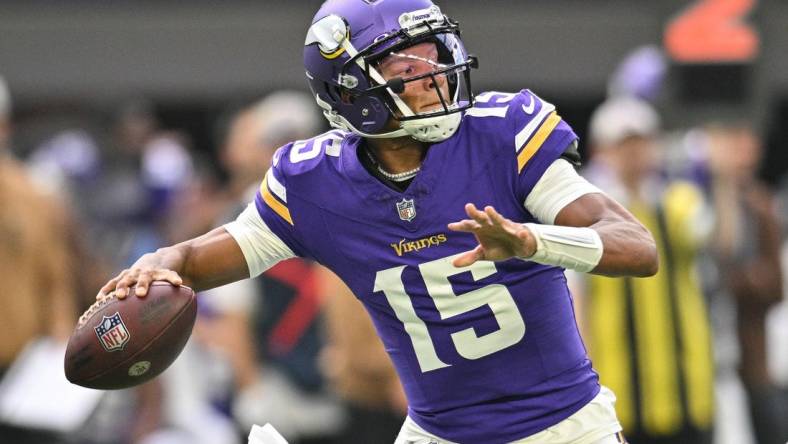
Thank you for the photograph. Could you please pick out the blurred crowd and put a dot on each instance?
(692, 353)
(293, 347)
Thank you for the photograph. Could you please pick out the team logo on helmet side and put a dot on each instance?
(112, 333)
(406, 209)
(329, 33)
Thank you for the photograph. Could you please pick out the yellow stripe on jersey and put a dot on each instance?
(537, 140)
(272, 202)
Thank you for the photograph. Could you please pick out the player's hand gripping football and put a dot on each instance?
(146, 270)
(499, 238)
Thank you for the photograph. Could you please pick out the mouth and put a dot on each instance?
(431, 107)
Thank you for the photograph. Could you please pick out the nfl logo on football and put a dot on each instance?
(406, 209)
(112, 333)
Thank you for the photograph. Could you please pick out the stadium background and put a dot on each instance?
(193, 58)
(71, 64)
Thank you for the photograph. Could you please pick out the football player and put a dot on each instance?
(452, 219)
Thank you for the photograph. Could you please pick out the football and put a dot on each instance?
(122, 343)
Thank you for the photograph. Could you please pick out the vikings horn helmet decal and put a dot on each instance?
(347, 40)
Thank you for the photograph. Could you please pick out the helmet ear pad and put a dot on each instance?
(367, 112)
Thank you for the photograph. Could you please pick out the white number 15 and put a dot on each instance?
(436, 278)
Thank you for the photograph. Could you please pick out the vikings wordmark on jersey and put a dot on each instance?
(488, 352)
(407, 246)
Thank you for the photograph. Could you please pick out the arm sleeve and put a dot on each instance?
(559, 186)
(261, 247)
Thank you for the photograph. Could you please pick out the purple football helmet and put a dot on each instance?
(344, 46)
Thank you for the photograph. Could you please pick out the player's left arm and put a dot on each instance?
(583, 229)
(628, 249)
(575, 226)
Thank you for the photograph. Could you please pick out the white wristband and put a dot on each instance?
(574, 248)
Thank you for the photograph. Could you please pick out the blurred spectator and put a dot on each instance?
(66, 163)
(359, 369)
(127, 193)
(650, 338)
(641, 74)
(270, 328)
(134, 180)
(746, 247)
(35, 267)
(258, 130)
(138, 176)
(5, 113)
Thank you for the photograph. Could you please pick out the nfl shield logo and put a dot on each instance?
(406, 209)
(112, 333)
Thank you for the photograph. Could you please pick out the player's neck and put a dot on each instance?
(397, 155)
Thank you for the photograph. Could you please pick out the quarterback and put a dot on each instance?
(451, 216)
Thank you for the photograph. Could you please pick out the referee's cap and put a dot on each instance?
(621, 117)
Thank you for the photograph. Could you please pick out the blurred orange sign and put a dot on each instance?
(713, 31)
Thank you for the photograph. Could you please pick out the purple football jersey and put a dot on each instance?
(487, 353)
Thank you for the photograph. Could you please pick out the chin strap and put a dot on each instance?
(428, 129)
(433, 129)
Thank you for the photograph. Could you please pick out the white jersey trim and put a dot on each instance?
(276, 187)
(559, 186)
(262, 248)
(534, 123)
(488, 112)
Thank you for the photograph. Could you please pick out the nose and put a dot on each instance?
(433, 82)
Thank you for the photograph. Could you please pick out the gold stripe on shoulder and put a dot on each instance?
(537, 140)
(272, 202)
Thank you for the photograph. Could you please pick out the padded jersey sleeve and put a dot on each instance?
(559, 186)
(540, 137)
(275, 206)
(261, 248)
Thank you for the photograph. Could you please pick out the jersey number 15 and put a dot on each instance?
(436, 279)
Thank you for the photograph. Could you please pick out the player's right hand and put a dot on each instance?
(140, 275)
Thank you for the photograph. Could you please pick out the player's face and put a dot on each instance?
(420, 95)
